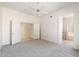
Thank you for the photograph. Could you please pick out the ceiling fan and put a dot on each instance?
(38, 8)
(35, 9)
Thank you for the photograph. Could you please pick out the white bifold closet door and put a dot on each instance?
(16, 32)
(0, 35)
(60, 27)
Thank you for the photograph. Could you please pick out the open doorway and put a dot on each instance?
(68, 30)
(27, 31)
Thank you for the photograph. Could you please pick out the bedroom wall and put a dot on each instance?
(16, 17)
(51, 29)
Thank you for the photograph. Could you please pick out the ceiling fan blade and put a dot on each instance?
(43, 12)
(31, 8)
(41, 8)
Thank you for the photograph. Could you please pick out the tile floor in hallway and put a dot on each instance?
(38, 48)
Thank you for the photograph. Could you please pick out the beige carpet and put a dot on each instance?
(38, 48)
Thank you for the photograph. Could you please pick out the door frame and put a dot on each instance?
(10, 32)
(60, 30)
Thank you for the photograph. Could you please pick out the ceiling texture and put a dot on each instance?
(36, 8)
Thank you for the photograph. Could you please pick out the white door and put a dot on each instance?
(15, 32)
(60, 24)
(0, 36)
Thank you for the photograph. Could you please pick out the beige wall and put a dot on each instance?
(26, 31)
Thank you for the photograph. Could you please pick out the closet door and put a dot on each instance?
(60, 31)
(0, 35)
(15, 32)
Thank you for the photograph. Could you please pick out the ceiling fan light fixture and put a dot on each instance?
(37, 3)
(38, 10)
(51, 16)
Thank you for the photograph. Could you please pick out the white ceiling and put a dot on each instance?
(31, 7)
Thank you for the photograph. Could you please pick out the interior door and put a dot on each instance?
(60, 27)
(16, 32)
(0, 34)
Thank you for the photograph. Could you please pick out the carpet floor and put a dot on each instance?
(38, 48)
